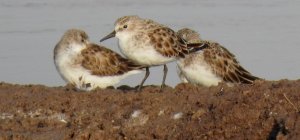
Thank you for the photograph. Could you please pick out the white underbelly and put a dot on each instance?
(199, 73)
(84, 80)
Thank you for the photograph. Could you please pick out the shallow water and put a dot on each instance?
(263, 34)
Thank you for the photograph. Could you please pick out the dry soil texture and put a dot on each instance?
(264, 110)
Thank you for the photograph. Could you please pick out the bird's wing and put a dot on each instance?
(105, 62)
(167, 43)
(225, 65)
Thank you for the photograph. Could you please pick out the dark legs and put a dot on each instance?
(148, 73)
(146, 76)
(164, 78)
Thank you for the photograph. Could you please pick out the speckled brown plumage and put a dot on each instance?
(167, 43)
(225, 64)
(222, 62)
(164, 39)
(104, 62)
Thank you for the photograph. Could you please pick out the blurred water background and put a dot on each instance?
(263, 34)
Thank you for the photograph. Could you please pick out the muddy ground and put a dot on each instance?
(265, 110)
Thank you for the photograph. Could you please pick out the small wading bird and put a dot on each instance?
(88, 66)
(149, 43)
(211, 65)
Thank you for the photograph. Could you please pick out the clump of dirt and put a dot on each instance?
(264, 110)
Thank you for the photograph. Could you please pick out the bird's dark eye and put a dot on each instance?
(125, 26)
(82, 40)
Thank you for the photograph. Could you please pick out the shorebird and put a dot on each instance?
(211, 65)
(88, 66)
(149, 43)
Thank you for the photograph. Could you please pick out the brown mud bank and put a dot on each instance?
(265, 110)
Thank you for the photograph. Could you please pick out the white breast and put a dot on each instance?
(198, 71)
(141, 51)
(65, 62)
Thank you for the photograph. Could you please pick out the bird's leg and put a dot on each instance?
(164, 78)
(146, 76)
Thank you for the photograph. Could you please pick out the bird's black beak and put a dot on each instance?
(112, 34)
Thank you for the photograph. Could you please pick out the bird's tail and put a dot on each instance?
(245, 76)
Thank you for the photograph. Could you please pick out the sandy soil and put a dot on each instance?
(265, 110)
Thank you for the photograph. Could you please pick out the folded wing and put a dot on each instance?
(105, 62)
(225, 64)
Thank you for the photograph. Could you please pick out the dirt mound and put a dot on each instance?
(265, 110)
